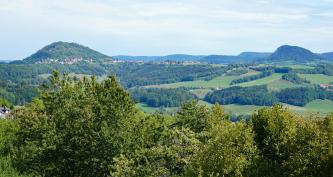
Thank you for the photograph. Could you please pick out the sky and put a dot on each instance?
(161, 27)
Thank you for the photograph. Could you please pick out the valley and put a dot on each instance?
(153, 80)
(153, 88)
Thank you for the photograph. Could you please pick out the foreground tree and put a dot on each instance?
(75, 129)
(275, 131)
(313, 149)
(231, 151)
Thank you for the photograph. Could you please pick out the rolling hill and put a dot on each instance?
(243, 57)
(64, 52)
(293, 53)
(327, 56)
(254, 55)
(216, 59)
(283, 53)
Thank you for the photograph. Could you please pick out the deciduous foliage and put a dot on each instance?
(294, 78)
(303, 95)
(312, 151)
(77, 130)
(275, 130)
(256, 95)
(230, 152)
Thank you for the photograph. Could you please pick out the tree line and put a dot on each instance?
(251, 78)
(294, 78)
(156, 97)
(260, 95)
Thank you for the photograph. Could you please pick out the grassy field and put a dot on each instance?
(295, 66)
(145, 108)
(263, 81)
(274, 83)
(317, 78)
(241, 109)
(322, 106)
(223, 82)
(150, 110)
(218, 82)
(317, 106)
(281, 84)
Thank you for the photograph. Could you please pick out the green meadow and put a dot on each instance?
(317, 78)
(314, 107)
(274, 82)
(218, 82)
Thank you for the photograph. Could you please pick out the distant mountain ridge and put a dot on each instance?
(65, 52)
(243, 57)
(173, 57)
(71, 53)
(216, 59)
(254, 55)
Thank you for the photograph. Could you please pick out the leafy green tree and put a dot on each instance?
(193, 116)
(75, 129)
(275, 130)
(230, 152)
(166, 152)
(216, 116)
(313, 149)
(6, 168)
(8, 129)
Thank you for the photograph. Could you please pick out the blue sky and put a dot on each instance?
(159, 27)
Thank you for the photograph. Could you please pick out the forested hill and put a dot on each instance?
(295, 53)
(64, 52)
(328, 55)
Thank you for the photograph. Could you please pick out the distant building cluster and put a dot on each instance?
(68, 61)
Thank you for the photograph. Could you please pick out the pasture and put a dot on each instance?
(317, 78)
(315, 107)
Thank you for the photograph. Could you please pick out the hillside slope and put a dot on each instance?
(327, 56)
(64, 52)
(294, 53)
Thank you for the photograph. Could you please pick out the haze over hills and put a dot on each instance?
(173, 57)
(283, 53)
(70, 53)
(65, 52)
